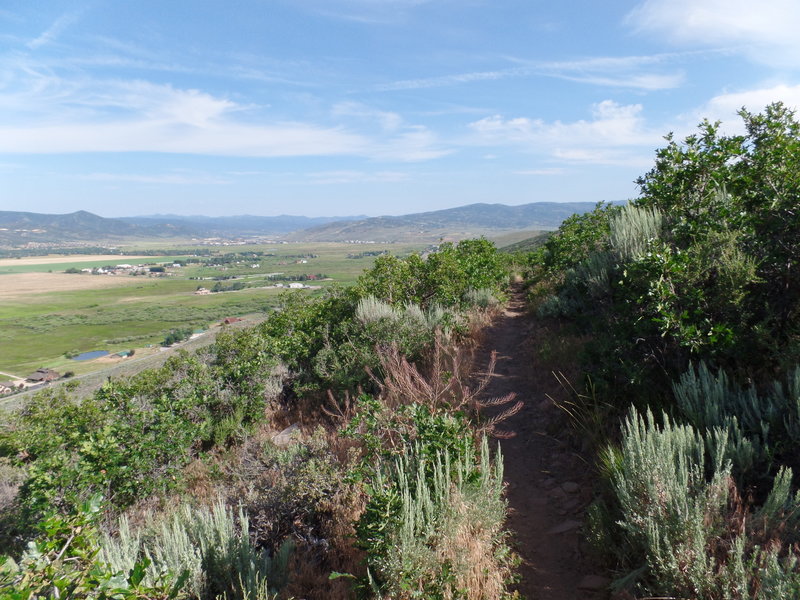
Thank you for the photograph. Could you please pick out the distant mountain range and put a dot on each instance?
(23, 228)
(452, 223)
(238, 225)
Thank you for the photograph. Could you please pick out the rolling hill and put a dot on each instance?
(25, 228)
(453, 223)
(20, 229)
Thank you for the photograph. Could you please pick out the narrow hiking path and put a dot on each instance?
(548, 488)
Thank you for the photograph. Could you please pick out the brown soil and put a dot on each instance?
(548, 484)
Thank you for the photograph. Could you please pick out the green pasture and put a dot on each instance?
(37, 330)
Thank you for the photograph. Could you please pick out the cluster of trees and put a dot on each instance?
(690, 299)
(176, 336)
(384, 444)
(233, 287)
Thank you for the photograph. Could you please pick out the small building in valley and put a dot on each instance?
(43, 376)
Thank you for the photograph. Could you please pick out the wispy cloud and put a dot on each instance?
(225, 138)
(542, 172)
(369, 12)
(414, 144)
(456, 79)
(338, 177)
(55, 30)
(389, 121)
(52, 115)
(625, 72)
(169, 179)
(765, 31)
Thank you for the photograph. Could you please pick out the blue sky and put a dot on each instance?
(340, 107)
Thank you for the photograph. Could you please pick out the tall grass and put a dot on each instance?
(683, 529)
(210, 547)
(444, 535)
(632, 228)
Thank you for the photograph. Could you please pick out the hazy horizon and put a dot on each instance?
(295, 215)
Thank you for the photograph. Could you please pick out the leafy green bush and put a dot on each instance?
(62, 562)
(132, 437)
(177, 335)
(444, 277)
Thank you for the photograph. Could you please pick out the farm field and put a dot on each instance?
(56, 264)
(46, 313)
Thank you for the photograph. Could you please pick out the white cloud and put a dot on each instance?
(724, 107)
(138, 116)
(616, 134)
(43, 113)
(157, 102)
(766, 31)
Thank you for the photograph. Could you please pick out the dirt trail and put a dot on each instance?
(547, 484)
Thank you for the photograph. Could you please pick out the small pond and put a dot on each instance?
(91, 355)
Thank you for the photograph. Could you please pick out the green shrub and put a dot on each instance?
(209, 549)
(631, 230)
(433, 527)
(444, 277)
(482, 298)
(62, 562)
(670, 511)
(177, 335)
(680, 527)
(764, 426)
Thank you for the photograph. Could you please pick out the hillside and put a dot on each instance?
(528, 244)
(18, 229)
(453, 223)
(24, 228)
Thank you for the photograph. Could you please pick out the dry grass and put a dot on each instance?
(54, 260)
(472, 546)
(23, 286)
(444, 386)
(10, 481)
